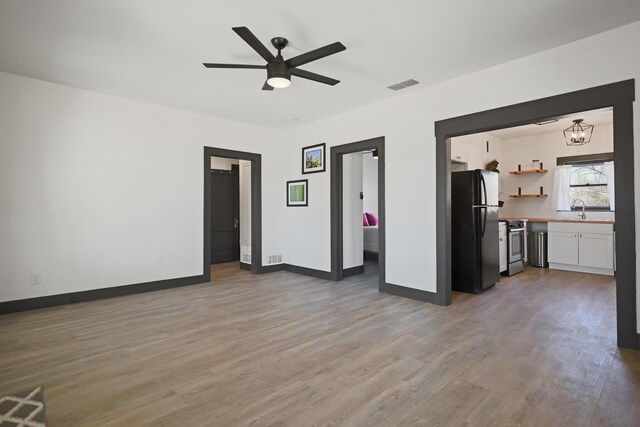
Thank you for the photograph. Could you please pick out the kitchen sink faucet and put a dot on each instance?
(582, 215)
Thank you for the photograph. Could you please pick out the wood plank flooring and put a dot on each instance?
(285, 349)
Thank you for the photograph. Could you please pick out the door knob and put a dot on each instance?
(235, 223)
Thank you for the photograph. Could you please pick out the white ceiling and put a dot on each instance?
(152, 50)
(600, 117)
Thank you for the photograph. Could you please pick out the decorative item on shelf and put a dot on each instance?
(579, 133)
(493, 166)
(297, 193)
(313, 159)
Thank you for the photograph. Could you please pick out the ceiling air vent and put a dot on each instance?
(403, 85)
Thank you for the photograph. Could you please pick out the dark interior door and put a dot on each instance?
(225, 215)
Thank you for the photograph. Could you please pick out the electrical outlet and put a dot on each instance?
(36, 279)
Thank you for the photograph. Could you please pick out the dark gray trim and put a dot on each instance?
(353, 271)
(620, 96)
(417, 294)
(96, 294)
(319, 274)
(370, 256)
(271, 268)
(337, 153)
(256, 206)
(245, 266)
(585, 158)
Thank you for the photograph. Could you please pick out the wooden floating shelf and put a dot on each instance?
(528, 171)
(523, 196)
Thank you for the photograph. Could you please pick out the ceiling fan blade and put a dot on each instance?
(313, 55)
(256, 44)
(266, 86)
(210, 65)
(313, 76)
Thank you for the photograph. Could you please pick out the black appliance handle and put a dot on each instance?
(484, 190)
(486, 201)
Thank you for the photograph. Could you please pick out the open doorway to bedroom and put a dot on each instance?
(358, 211)
(360, 233)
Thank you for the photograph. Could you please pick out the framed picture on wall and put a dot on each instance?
(297, 193)
(313, 159)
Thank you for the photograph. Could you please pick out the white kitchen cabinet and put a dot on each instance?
(502, 246)
(562, 247)
(458, 151)
(581, 247)
(474, 158)
(596, 250)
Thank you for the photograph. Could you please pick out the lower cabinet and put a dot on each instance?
(581, 247)
(563, 247)
(596, 250)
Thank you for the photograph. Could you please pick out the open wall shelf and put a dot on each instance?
(526, 196)
(528, 171)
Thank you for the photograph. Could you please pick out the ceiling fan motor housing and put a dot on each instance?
(279, 69)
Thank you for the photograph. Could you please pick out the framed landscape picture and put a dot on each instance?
(313, 159)
(297, 193)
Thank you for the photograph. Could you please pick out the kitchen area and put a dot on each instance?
(539, 196)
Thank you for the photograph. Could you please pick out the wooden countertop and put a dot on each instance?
(586, 221)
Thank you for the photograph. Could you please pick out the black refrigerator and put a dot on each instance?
(475, 259)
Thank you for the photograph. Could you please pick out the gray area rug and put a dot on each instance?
(25, 409)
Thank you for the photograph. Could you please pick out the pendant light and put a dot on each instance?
(579, 133)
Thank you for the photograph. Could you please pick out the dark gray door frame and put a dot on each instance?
(620, 96)
(256, 206)
(337, 153)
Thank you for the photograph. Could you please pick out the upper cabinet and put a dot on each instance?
(459, 152)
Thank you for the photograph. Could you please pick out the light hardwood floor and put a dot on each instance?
(285, 349)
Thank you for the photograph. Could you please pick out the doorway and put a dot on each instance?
(223, 226)
(342, 155)
(225, 212)
(618, 96)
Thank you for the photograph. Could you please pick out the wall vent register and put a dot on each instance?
(274, 259)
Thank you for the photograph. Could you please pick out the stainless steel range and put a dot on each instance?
(515, 246)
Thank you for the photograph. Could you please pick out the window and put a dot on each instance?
(588, 181)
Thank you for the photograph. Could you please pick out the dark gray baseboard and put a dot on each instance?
(245, 266)
(638, 342)
(318, 274)
(352, 271)
(411, 293)
(370, 256)
(96, 294)
(270, 268)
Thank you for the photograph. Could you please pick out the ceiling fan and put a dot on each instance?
(279, 71)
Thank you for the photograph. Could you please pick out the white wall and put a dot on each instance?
(99, 191)
(370, 183)
(407, 122)
(547, 148)
(352, 233)
(245, 211)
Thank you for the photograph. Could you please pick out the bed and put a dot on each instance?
(370, 239)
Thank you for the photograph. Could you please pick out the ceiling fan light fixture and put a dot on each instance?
(278, 75)
(278, 82)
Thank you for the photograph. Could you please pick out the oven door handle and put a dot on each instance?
(515, 230)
